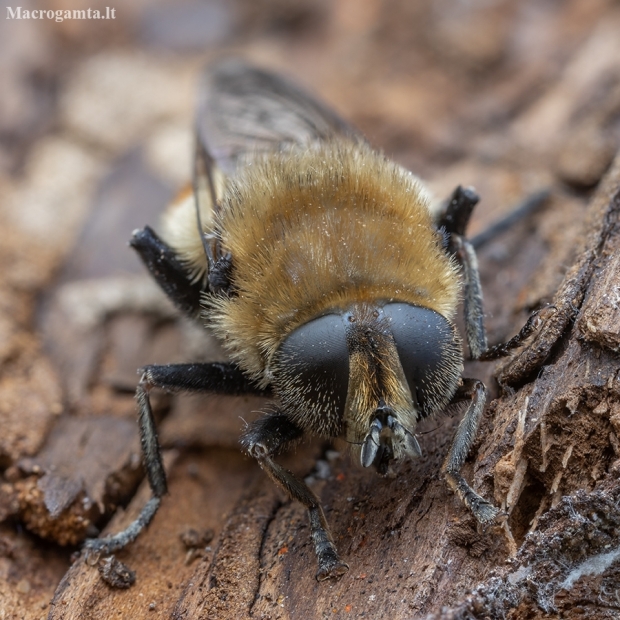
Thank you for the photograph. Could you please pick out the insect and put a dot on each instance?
(317, 263)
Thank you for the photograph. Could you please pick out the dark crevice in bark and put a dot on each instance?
(261, 551)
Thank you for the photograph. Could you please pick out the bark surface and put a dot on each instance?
(95, 136)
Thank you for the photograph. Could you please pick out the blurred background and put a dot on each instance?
(511, 96)
(507, 95)
(472, 91)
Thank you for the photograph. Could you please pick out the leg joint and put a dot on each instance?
(269, 436)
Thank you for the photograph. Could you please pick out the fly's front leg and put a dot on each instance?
(151, 457)
(222, 378)
(475, 331)
(474, 313)
(475, 392)
(454, 221)
(531, 326)
(263, 440)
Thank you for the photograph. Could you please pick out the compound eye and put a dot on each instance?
(430, 353)
(311, 368)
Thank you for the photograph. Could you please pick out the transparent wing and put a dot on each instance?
(244, 111)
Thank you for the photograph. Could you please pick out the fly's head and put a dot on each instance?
(369, 374)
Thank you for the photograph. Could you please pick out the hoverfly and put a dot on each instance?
(319, 265)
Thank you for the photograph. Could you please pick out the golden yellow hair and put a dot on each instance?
(318, 229)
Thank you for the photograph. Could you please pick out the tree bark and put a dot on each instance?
(471, 96)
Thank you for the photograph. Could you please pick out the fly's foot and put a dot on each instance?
(484, 511)
(331, 566)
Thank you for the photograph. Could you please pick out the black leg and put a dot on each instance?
(532, 324)
(223, 378)
(151, 457)
(218, 377)
(458, 210)
(268, 437)
(524, 209)
(474, 391)
(169, 272)
(454, 222)
(473, 303)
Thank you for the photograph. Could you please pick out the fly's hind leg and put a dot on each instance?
(222, 378)
(475, 392)
(266, 438)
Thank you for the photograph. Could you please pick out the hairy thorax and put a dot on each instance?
(319, 229)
